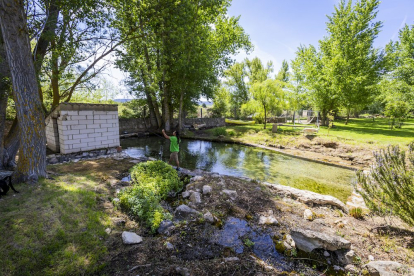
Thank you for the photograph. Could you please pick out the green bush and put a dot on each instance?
(152, 182)
(389, 188)
(219, 131)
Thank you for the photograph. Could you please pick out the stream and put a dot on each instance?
(244, 161)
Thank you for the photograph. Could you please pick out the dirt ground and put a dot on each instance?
(195, 253)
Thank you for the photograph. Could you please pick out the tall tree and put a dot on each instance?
(32, 154)
(283, 74)
(354, 64)
(236, 83)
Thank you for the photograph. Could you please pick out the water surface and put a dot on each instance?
(239, 160)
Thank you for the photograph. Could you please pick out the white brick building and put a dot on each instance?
(75, 127)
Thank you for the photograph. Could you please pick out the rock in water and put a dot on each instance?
(207, 189)
(130, 238)
(184, 212)
(388, 268)
(308, 215)
(308, 240)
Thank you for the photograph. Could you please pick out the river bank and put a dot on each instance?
(322, 149)
(239, 227)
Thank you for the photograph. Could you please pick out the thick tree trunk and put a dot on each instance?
(11, 145)
(4, 93)
(32, 154)
(3, 106)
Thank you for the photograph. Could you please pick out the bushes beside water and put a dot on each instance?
(152, 182)
(389, 187)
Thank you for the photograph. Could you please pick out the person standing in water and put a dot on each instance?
(174, 147)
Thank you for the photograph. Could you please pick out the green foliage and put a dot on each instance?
(356, 213)
(389, 188)
(152, 182)
(345, 68)
(396, 110)
(221, 102)
(265, 97)
(133, 109)
(219, 131)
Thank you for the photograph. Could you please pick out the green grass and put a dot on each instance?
(53, 228)
(365, 132)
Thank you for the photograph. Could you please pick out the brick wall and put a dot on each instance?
(83, 127)
(139, 125)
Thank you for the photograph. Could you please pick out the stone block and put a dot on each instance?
(80, 136)
(72, 141)
(70, 132)
(93, 126)
(101, 130)
(99, 121)
(69, 112)
(85, 122)
(93, 144)
(78, 117)
(87, 131)
(95, 134)
(105, 117)
(78, 126)
(86, 112)
(106, 125)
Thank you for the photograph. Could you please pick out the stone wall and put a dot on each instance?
(141, 125)
(83, 127)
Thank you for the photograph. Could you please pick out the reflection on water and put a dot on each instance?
(239, 160)
(236, 231)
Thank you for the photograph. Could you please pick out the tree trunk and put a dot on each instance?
(11, 145)
(4, 94)
(3, 107)
(180, 112)
(166, 106)
(265, 118)
(32, 154)
(324, 120)
(294, 112)
(348, 110)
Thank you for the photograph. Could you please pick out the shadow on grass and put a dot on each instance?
(53, 228)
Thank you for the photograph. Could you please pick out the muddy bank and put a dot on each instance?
(308, 148)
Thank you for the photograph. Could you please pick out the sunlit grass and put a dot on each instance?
(371, 133)
(53, 228)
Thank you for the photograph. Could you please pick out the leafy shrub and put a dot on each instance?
(232, 133)
(219, 131)
(389, 187)
(356, 213)
(152, 182)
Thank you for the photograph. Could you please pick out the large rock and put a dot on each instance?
(184, 212)
(308, 240)
(308, 215)
(388, 268)
(130, 238)
(308, 197)
(197, 178)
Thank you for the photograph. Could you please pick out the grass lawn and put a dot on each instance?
(56, 227)
(373, 134)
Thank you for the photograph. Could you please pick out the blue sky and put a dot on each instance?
(278, 27)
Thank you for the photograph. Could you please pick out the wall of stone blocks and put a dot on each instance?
(82, 127)
(52, 134)
(141, 125)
